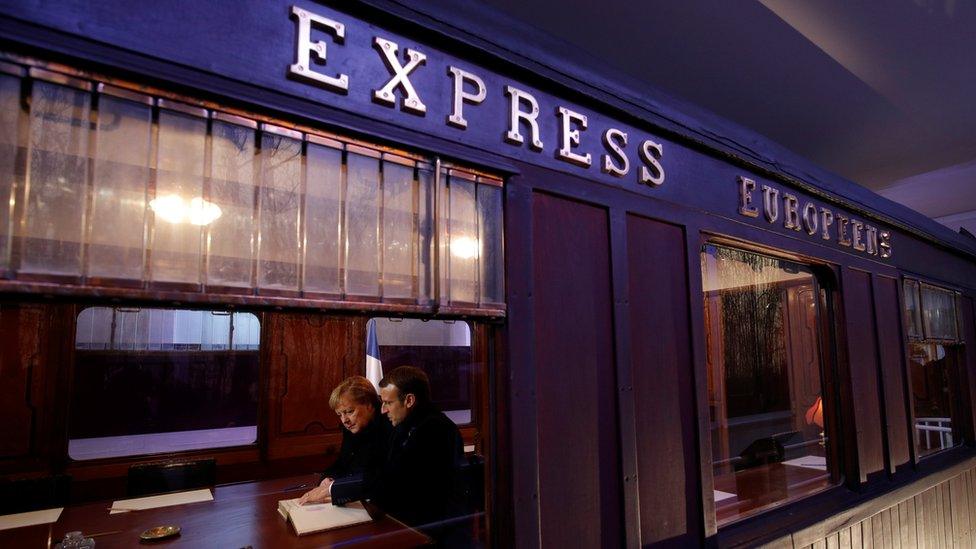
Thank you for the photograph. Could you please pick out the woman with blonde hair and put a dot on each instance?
(365, 437)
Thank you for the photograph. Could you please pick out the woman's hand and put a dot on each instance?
(319, 494)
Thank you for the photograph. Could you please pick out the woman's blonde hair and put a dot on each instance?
(357, 388)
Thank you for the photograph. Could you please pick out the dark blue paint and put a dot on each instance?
(253, 43)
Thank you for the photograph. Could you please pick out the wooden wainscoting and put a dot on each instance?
(936, 511)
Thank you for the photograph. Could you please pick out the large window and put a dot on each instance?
(769, 420)
(149, 381)
(442, 348)
(935, 358)
(105, 186)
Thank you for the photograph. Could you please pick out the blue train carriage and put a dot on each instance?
(651, 326)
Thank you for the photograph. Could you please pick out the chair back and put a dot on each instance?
(32, 494)
(170, 476)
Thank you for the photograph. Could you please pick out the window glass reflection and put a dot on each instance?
(934, 364)
(149, 381)
(765, 387)
(442, 348)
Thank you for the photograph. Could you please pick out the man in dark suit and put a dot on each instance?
(419, 481)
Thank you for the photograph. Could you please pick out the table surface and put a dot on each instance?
(240, 515)
(764, 485)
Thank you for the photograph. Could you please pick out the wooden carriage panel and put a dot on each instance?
(20, 362)
(33, 343)
(863, 360)
(578, 455)
(890, 346)
(663, 386)
(303, 369)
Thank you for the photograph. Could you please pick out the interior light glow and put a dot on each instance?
(175, 209)
(465, 247)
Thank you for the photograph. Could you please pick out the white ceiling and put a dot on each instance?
(881, 93)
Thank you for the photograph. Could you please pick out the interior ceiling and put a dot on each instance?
(881, 93)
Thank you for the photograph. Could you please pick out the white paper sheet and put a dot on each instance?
(810, 462)
(31, 518)
(720, 495)
(164, 500)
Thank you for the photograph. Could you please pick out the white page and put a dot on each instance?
(31, 518)
(163, 500)
(323, 516)
(720, 496)
(810, 462)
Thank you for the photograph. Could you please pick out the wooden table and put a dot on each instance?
(240, 515)
(764, 485)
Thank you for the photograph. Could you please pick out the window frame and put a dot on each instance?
(83, 284)
(71, 349)
(826, 276)
(962, 406)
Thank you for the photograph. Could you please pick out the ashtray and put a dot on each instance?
(160, 532)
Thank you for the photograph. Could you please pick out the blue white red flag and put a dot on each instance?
(374, 368)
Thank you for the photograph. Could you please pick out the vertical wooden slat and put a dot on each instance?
(971, 497)
(895, 527)
(867, 533)
(960, 511)
(844, 539)
(833, 541)
(906, 524)
(885, 520)
(933, 512)
(945, 512)
(857, 536)
(933, 530)
(877, 530)
(819, 544)
(921, 532)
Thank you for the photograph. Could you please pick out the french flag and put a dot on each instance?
(374, 368)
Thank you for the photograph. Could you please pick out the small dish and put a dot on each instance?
(160, 532)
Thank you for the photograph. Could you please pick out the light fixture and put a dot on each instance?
(175, 209)
(465, 247)
(814, 416)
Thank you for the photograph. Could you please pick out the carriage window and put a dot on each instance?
(441, 348)
(149, 381)
(765, 381)
(935, 360)
(127, 190)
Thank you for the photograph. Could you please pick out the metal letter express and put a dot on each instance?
(468, 92)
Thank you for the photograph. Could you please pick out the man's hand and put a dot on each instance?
(319, 494)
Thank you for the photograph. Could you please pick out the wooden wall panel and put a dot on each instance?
(891, 344)
(578, 455)
(303, 371)
(663, 384)
(863, 362)
(35, 339)
(20, 350)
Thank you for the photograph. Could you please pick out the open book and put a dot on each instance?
(318, 517)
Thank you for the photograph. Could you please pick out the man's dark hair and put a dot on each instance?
(409, 380)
